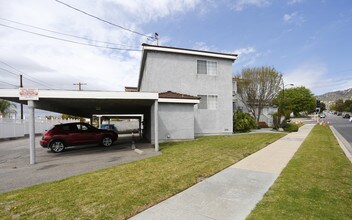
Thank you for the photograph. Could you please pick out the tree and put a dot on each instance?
(333, 106)
(296, 100)
(348, 105)
(65, 116)
(243, 122)
(339, 105)
(6, 108)
(322, 106)
(257, 87)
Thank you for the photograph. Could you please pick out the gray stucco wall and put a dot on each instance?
(178, 73)
(176, 122)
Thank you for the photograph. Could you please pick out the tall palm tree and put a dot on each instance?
(6, 108)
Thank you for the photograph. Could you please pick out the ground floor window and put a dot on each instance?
(208, 102)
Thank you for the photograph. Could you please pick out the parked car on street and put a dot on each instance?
(71, 134)
(346, 115)
(322, 115)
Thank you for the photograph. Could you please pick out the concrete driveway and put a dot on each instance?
(15, 171)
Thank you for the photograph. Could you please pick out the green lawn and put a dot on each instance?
(316, 184)
(121, 191)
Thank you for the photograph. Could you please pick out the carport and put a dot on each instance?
(85, 104)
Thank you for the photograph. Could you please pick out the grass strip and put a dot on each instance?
(122, 191)
(316, 184)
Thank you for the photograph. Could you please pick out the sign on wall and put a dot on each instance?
(29, 94)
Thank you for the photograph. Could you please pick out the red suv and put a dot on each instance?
(63, 135)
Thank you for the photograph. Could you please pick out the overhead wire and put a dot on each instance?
(71, 41)
(21, 72)
(103, 20)
(64, 34)
(8, 71)
(9, 84)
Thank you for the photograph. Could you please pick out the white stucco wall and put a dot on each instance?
(178, 73)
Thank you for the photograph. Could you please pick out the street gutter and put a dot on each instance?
(346, 147)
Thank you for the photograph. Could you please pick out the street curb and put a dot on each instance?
(343, 143)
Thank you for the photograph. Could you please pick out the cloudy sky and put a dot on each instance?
(309, 41)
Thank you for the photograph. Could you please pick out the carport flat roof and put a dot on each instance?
(87, 103)
(14, 93)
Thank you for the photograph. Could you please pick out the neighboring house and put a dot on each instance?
(185, 74)
(266, 117)
(131, 89)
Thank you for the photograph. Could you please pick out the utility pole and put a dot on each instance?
(79, 84)
(21, 86)
(156, 37)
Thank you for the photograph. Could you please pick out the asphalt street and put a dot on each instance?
(342, 125)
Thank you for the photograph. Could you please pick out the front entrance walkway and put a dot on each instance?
(234, 192)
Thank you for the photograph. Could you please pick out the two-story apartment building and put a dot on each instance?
(266, 116)
(192, 73)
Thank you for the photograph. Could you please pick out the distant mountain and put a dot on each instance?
(333, 96)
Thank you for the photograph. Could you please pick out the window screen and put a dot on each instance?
(212, 101)
(203, 102)
(211, 68)
(207, 67)
(201, 67)
(208, 102)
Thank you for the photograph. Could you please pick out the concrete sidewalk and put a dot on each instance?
(234, 192)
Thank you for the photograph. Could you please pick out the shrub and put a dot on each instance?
(291, 127)
(243, 122)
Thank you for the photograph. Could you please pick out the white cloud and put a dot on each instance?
(239, 5)
(152, 10)
(203, 46)
(244, 51)
(60, 64)
(247, 57)
(293, 18)
(292, 2)
(314, 76)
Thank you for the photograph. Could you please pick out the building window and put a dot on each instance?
(212, 101)
(203, 102)
(207, 67)
(212, 67)
(208, 102)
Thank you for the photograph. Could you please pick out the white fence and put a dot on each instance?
(123, 126)
(10, 128)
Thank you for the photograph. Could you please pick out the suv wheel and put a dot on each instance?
(106, 141)
(57, 146)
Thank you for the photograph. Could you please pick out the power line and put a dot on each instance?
(35, 80)
(70, 41)
(20, 71)
(69, 35)
(100, 19)
(9, 72)
(9, 84)
(25, 77)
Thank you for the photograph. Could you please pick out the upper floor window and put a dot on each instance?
(207, 67)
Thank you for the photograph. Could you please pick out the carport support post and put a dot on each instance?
(31, 132)
(156, 129)
(99, 117)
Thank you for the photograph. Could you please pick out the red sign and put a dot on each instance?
(29, 94)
